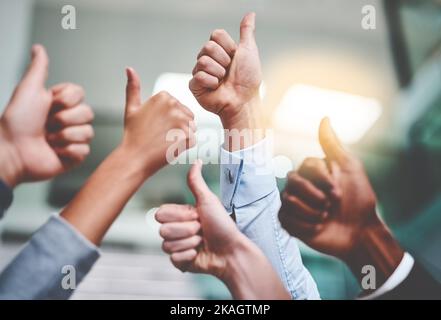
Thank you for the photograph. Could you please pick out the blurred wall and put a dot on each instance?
(15, 30)
(161, 36)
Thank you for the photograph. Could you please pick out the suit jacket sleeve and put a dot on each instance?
(419, 284)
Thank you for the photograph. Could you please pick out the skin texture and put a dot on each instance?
(140, 154)
(204, 239)
(226, 81)
(330, 205)
(43, 132)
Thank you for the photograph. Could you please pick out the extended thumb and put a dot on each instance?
(330, 143)
(196, 182)
(133, 90)
(247, 29)
(36, 74)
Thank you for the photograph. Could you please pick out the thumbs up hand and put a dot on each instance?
(200, 238)
(43, 132)
(227, 75)
(204, 239)
(156, 131)
(329, 203)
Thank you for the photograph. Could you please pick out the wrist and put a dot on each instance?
(376, 247)
(243, 127)
(11, 167)
(242, 116)
(240, 249)
(135, 162)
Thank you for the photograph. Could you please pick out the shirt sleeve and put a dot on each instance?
(5, 198)
(398, 276)
(50, 265)
(249, 189)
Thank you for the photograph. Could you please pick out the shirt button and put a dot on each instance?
(230, 176)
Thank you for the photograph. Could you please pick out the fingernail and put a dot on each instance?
(324, 215)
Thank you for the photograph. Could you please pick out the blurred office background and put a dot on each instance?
(381, 88)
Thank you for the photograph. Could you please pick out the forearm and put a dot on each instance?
(105, 194)
(250, 276)
(378, 248)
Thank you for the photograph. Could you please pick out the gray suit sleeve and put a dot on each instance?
(50, 265)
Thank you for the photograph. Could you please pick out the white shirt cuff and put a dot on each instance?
(397, 277)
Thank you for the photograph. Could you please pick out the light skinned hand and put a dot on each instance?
(43, 132)
(199, 239)
(227, 75)
(147, 126)
(204, 239)
(140, 154)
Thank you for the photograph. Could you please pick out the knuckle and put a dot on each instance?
(88, 113)
(210, 47)
(60, 118)
(309, 162)
(63, 134)
(86, 150)
(158, 215)
(80, 90)
(90, 132)
(292, 200)
(174, 113)
(166, 247)
(164, 231)
(199, 76)
(194, 228)
(203, 62)
(174, 103)
(162, 95)
(292, 176)
(218, 33)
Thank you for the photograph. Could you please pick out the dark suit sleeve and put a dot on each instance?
(5, 198)
(419, 285)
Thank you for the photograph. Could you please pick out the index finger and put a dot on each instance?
(222, 38)
(176, 213)
(67, 95)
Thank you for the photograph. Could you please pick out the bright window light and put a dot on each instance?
(303, 106)
(177, 85)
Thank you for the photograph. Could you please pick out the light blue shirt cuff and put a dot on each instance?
(246, 175)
